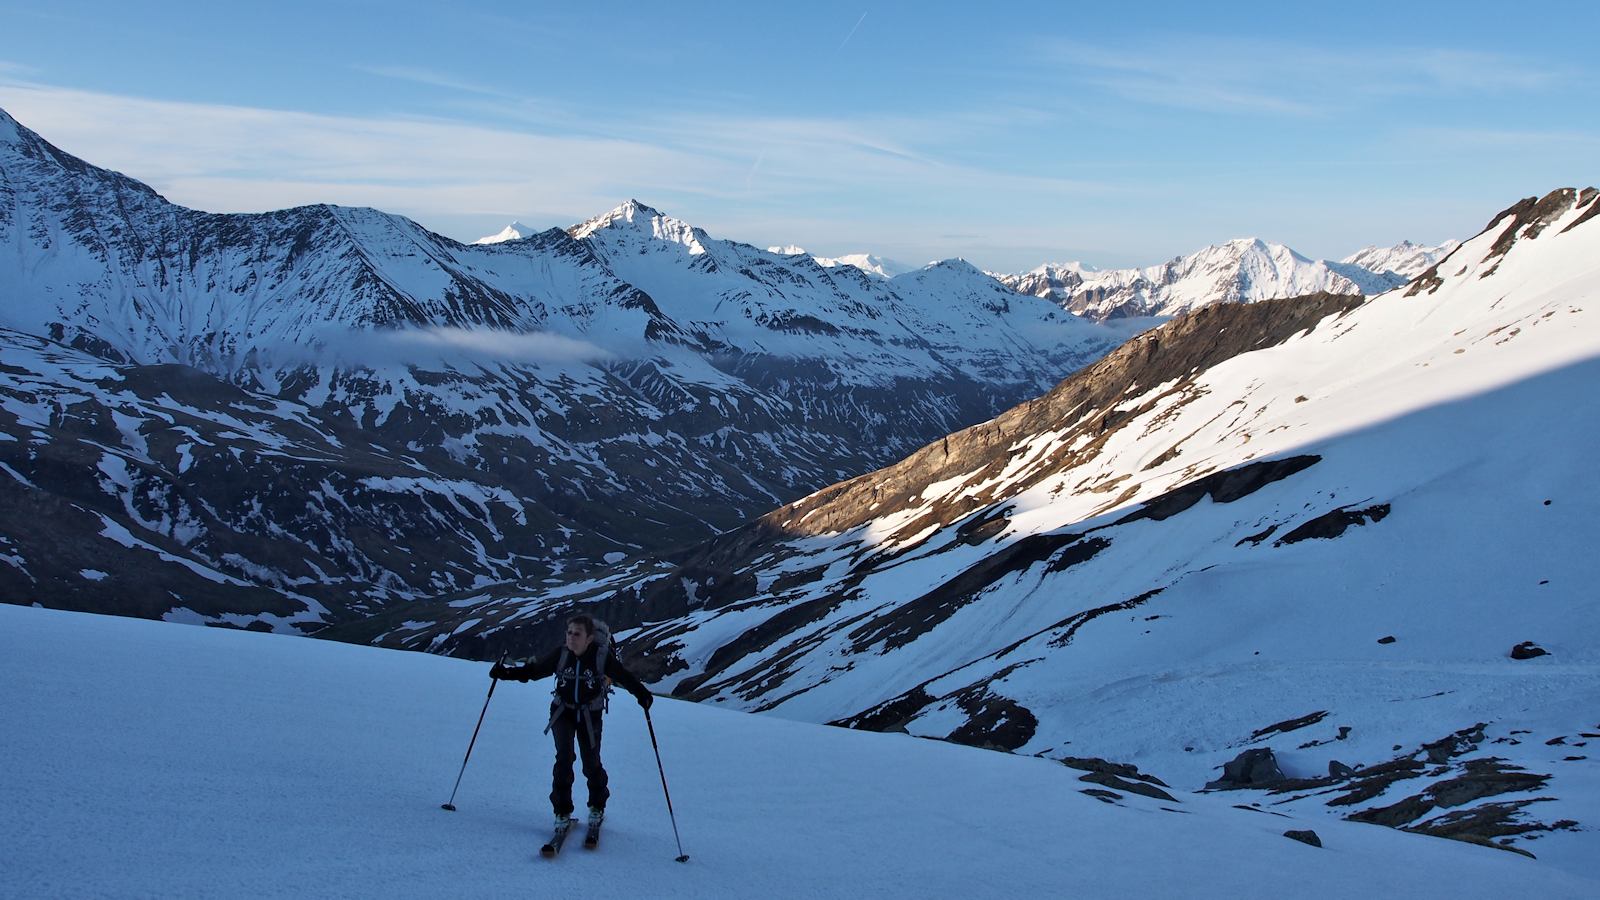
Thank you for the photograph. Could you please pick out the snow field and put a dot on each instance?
(149, 759)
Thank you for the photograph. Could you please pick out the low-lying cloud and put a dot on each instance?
(447, 347)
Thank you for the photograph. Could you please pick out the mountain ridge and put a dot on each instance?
(520, 407)
(1239, 270)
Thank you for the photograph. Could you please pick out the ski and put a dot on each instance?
(553, 847)
(591, 839)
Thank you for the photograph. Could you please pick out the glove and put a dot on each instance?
(645, 700)
(499, 670)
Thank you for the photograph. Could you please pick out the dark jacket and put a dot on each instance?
(580, 682)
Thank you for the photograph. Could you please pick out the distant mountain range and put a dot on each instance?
(300, 417)
(1404, 259)
(1243, 270)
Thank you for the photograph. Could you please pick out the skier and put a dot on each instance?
(584, 668)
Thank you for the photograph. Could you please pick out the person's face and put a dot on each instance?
(578, 638)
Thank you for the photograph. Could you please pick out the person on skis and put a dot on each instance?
(584, 668)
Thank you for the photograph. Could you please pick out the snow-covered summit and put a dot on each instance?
(516, 231)
(869, 263)
(1404, 259)
(876, 266)
(644, 220)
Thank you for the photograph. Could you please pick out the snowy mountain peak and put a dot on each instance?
(868, 263)
(1405, 259)
(953, 264)
(1075, 266)
(1244, 269)
(1250, 247)
(632, 213)
(516, 231)
(638, 219)
(10, 129)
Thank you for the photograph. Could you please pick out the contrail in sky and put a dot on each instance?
(852, 33)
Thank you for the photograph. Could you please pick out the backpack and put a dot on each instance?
(602, 702)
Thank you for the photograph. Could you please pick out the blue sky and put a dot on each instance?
(1008, 133)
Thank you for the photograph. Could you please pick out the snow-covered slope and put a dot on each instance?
(502, 412)
(1243, 270)
(1216, 530)
(1405, 259)
(144, 759)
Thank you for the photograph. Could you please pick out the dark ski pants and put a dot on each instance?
(569, 728)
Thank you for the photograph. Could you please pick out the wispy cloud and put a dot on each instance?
(429, 77)
(234, 159)
(1230, 75)
(1504, 138)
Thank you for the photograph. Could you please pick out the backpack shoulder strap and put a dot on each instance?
(561, 663)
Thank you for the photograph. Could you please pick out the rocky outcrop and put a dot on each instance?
(1306, 836)
(1528, 650)
(1254, 768)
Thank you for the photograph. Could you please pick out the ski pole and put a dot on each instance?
(682, 857)
(451, 806)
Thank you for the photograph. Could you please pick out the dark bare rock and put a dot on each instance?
(994, 722)
(1528, 650)
(1453, 745)
(1223, 487)
(1106, 779)
(1334, 523)
(1482, 778)
(1256, 768)
(1490, 824)
(1288, 725)
(1305, 837)
(1121, 770)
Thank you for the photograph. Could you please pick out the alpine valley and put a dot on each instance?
(231, 418)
